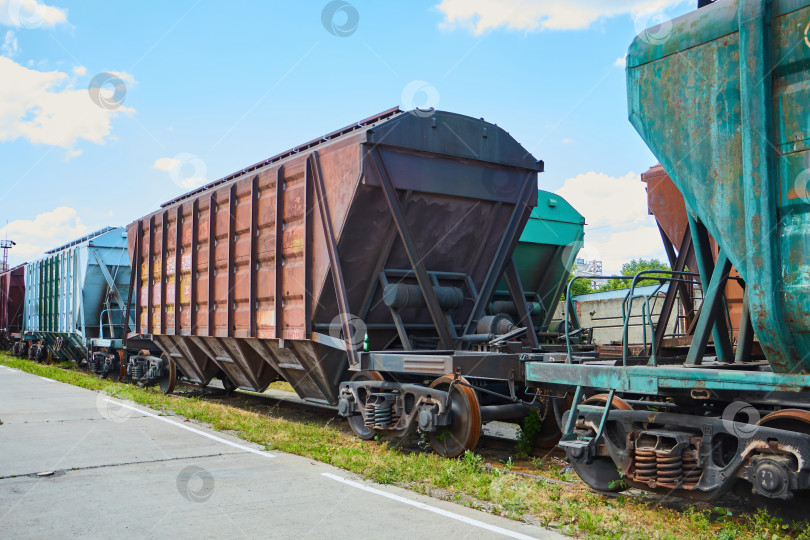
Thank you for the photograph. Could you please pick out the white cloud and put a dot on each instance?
(46, 231)
(191, 182)
(45, 108)
(621, 62)
(124, 76)
(619, 227)
(30, 14)
(533, 15)
(186, 170)
(10, 45)
(166, 164)
(622, 247)
(79, 71)
(567, 141)
(607, 201)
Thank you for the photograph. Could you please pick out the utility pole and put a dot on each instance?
(5, 245)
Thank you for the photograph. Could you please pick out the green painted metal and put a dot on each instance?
(710, 314)
(721, 102)
(48, 285)
(546, 251)
(706, 267)
(653, 380)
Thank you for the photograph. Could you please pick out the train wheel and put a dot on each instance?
(119, 372)
(356, 422)
(465, 428)
(601, 474)
(795, 509)
(168, 379)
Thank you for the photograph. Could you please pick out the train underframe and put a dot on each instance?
(691, 432)
(138, 361)
(446, 396)
(696, 421)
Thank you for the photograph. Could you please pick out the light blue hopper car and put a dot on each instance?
(75, 298)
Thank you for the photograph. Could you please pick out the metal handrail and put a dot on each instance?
(111, 325)
(568, 302)
(627, 304)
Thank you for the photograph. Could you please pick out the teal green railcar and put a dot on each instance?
(543, 259)
(721, 97)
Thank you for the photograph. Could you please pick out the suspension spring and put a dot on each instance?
(691, 470)
(670, 468)
(370, 415)
(379, 410)
(663, 468)
(138, 370)
(383, 416)
(646, 467)
(97, 363)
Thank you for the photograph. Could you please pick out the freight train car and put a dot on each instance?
(666, 204)
(543, 260)
(75, 303)
(722, 103)
(12, 290)
(391, 234)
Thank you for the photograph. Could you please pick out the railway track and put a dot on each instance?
(498, 439)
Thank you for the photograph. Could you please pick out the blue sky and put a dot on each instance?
(211, 87)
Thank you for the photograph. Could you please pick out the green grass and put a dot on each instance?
(572, 510)
(284, 386)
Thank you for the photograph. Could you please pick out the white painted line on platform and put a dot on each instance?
(46, 379)
(197, 431)
(423, 506)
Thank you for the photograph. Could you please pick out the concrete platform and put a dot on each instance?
(121, 470)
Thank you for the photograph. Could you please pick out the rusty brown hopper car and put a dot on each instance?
(12, 292)
(279, 269)
(666, 203)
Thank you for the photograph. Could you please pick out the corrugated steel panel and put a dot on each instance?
(255, 267)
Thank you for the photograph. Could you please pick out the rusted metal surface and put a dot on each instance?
(12, 293)
(786, 414)
(259, 274)
(666, 204)
(721, 103)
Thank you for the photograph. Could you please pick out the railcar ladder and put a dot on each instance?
(578, 444)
